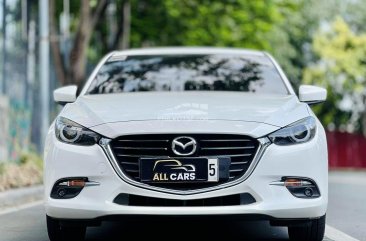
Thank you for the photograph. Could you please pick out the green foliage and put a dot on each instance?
(289, 37)
(232, 23)
(342, 70)
(236, 23)
(2, 167)
(288, 29)
(31, 157)
(26, 172)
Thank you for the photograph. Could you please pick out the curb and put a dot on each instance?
(19, 196)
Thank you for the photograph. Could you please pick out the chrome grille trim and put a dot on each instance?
(136, 155)
(235, 155)
(239, 163)
(144, 145)
(130, 163)
(143, 140)
(218, 140)
(264, 142)
(228, 148)
(141, 148)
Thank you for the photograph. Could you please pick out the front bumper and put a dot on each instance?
(302, 160)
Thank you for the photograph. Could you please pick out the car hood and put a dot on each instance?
(274, 110)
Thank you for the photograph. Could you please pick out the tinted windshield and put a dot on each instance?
(188, 73)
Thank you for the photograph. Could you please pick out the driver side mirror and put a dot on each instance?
(65, 94)
(312, 94)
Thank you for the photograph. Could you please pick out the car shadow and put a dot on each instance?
(187, 229)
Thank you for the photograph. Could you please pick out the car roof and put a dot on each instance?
(185, 50)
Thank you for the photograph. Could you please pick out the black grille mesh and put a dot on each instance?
(230, 200)
(240, 148)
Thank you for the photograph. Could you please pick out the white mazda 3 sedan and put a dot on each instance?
(187, 132)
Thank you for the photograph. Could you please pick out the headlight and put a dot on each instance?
(298, 132)
(73, 133)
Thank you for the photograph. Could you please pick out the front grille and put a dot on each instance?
(230, 200)
(240, 148)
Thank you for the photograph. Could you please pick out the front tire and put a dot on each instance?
(314, 231)
(56, 232)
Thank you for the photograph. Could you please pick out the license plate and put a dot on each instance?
(181, 170)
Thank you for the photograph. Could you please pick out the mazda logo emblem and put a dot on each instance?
(184, 146)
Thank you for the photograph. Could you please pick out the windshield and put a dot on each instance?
(188, 73)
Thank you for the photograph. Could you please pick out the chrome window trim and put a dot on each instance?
(264, 142)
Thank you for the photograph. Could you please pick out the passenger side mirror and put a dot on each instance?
(312, 94)
(65, 94)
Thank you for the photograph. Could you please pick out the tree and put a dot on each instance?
(342, 70)
(293, 37)
(235, 23)
(88, 19)
(141, 23)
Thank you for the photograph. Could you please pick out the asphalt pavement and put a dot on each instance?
(347, 203)
(29, 225)
(346, 215)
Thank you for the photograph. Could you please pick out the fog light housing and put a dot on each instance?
(308, 192)
(301, 187)
(61, 192)
(67, 188)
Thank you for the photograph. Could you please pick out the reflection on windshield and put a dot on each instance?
(188, 73)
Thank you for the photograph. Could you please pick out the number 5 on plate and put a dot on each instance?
(212, 170)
